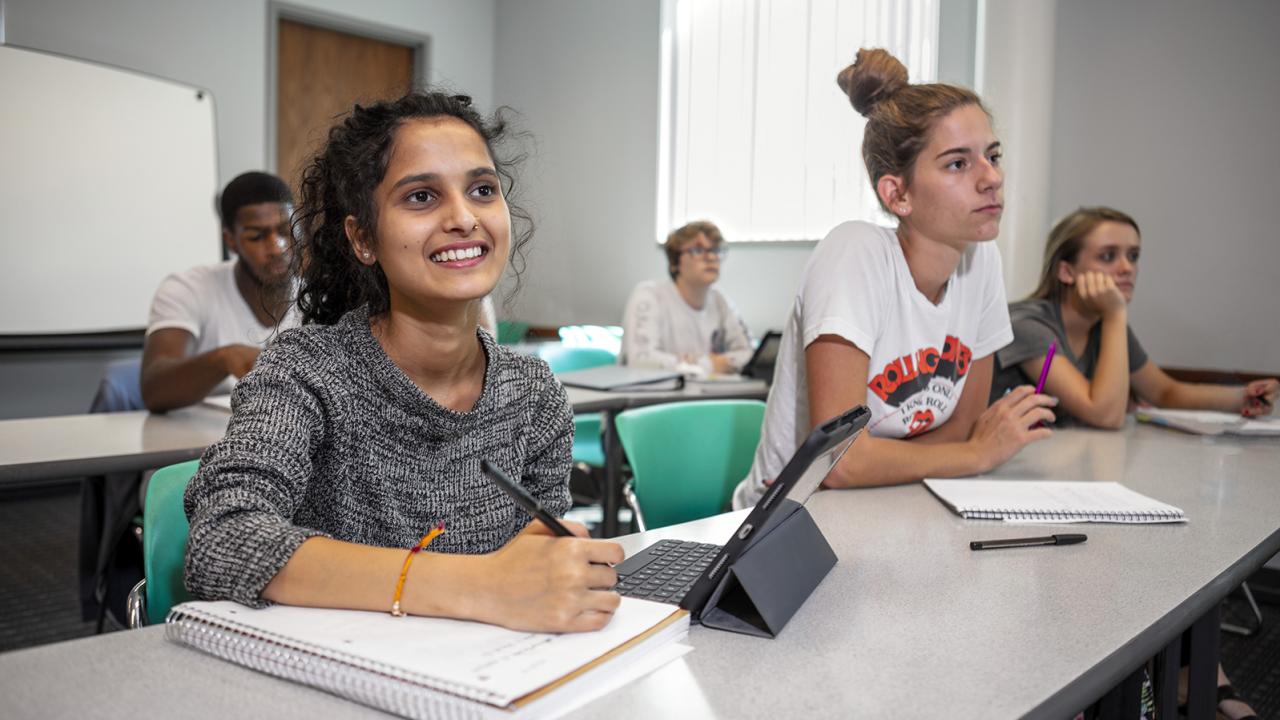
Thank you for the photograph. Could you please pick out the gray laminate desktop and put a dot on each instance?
(74, 445)
(910, 623)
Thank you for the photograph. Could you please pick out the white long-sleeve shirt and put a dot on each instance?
(660, 329)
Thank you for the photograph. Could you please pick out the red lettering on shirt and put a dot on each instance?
(915, 369)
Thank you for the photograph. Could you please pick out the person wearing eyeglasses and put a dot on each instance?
(685, 323)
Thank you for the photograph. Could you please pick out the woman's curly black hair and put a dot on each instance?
(340, 181)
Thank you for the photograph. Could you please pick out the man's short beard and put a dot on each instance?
(273, 292)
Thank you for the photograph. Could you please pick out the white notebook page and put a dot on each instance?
(1047, 497)
(1211, 420)
(491, 659)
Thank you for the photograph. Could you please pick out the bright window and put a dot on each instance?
(756, 136)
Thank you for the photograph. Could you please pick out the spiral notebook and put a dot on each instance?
(1051, 501)
(1208, 422)
(431, 667)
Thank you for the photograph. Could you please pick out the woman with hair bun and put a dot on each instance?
(358, 435)
(906, 319)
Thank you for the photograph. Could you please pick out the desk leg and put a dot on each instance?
(1202, 672)
(612, 491)
(1124, 701)
(1168, 663)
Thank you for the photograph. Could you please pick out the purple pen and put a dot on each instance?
(1044, 369)
(1044, 372)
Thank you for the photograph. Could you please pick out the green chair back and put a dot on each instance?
(587, 446)
(511, 332)
(687, 457)
(586, 427)
(164, 538)
(566, 359)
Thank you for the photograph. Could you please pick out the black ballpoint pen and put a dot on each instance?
(1066, 539)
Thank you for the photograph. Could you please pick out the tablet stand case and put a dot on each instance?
(771, 580)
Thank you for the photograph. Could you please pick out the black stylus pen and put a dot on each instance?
(1067, 539)
(524, 499)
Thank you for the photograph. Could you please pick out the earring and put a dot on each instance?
(902, 208)
(366, 254)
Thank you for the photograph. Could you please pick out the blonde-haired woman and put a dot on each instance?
(1089, 274)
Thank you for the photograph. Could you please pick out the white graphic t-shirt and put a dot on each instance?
(857, 286)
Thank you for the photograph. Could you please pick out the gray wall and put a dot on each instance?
(1167, 109)
(584, 74)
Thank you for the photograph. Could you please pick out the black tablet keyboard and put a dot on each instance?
(664, 571)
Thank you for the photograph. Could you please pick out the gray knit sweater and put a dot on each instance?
(329, 437)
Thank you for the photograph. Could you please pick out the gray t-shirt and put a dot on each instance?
(329, 437)
(1036, 323)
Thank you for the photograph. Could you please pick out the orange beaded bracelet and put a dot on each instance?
(404, 571)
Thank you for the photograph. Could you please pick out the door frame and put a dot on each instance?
(277, 11)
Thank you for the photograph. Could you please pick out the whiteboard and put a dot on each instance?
(108, 180)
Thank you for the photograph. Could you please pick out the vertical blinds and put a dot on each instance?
(756, 135)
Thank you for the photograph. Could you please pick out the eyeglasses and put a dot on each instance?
(698, 251)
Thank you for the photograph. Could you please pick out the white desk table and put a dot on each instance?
(909, 624)
(77, 445)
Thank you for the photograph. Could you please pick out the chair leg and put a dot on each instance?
(629, 494)
(135, 608)
(1257, 614)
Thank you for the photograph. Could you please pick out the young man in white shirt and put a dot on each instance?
(686, 323)
(209, 323)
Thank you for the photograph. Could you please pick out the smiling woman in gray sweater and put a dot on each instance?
(357, 433)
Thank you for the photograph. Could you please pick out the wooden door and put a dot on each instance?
(320, 75)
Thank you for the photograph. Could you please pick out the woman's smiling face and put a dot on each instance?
(443, 228)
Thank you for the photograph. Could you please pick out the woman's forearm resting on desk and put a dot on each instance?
(1101, 401)
(1155, 386)
(974, 439)
(998, 434)
(536, 582)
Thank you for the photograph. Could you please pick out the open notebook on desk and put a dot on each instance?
(1051, 501)
(434, 667)
(1209, 422)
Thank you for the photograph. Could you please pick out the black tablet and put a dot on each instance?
(804, 472)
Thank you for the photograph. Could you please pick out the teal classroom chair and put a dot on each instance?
(164, 545)
(587, 447)
(567, 359)
(686, 458)
(511, 332)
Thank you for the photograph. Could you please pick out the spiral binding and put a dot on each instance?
(375, 684)
(1043, 515)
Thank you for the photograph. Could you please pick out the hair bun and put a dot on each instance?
(874, 76)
